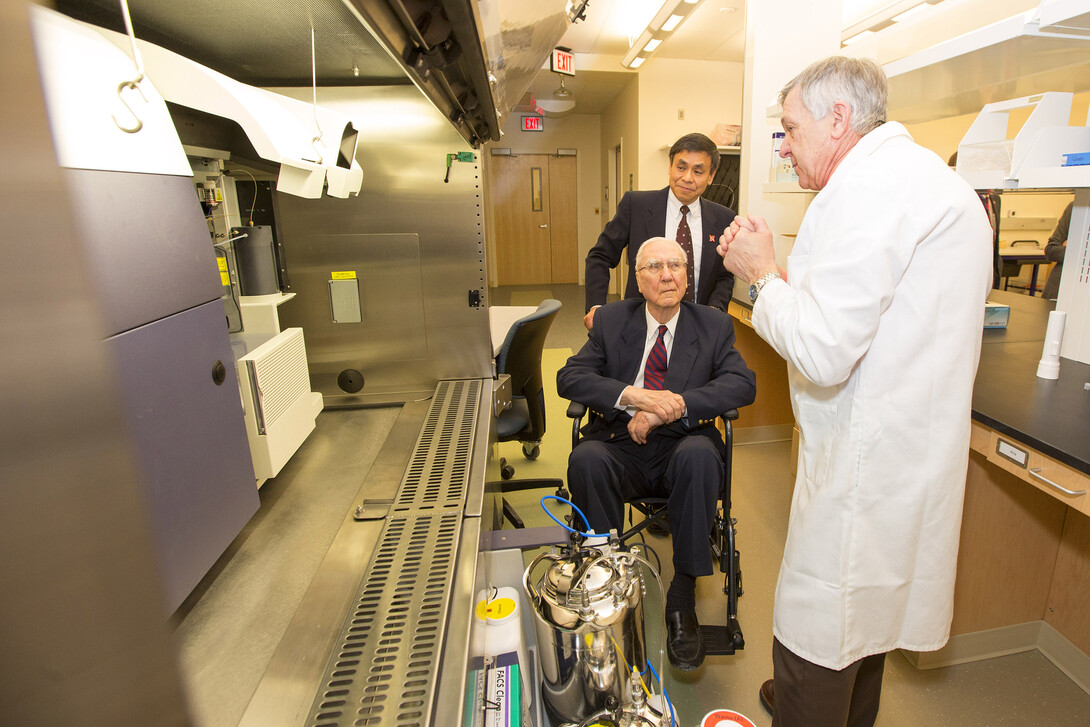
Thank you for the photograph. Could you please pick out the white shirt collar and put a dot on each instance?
(673, 206)
(653, 325)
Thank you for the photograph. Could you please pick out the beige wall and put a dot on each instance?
(574, 131)
(708, 92)
(620, 126)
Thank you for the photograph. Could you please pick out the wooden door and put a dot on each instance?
(520, 205)
(534, 204)
(563, 220)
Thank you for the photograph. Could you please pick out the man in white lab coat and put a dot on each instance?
(879, 316)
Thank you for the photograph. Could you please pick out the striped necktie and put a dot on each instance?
(654, 371)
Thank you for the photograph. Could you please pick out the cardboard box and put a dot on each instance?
(727, 135)
(996, 315)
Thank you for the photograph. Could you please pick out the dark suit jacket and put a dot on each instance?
(704, 366)
(641, 216)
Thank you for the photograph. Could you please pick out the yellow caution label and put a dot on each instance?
(225, 279)
(495, 609)
(222, 262)
(501, 608)
(343, 275)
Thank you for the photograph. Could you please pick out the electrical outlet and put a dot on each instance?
(681, 114)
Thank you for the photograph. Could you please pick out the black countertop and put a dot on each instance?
(1052, 416)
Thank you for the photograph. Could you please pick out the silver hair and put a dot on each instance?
(859, 82)
(639, 251)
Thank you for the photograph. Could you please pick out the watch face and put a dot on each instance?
(753, 293)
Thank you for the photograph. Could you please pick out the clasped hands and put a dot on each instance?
(747, 249)
(654, 408)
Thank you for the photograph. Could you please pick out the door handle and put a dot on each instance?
(542, 226)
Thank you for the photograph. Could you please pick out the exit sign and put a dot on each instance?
(531, 123)
(563, 61)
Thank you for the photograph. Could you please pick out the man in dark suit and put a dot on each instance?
(676, 212)
(658, 371)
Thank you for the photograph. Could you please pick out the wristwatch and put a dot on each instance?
(755, 289)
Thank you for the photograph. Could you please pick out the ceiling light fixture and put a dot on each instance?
(562, 92)
(665, 22)
(893, 12)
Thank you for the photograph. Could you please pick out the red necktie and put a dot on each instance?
(685, 239)
(654, 371)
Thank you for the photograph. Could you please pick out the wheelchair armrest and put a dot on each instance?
(576, 411)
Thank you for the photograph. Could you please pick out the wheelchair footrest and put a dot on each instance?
(722, 640)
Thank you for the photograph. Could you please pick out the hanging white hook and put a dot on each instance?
(138, 61)
(121, 87)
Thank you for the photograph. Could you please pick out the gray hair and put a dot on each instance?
(859, 82)
(639, 252)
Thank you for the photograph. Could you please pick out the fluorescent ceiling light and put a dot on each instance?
(672, 22)
(875, 15)
(670, 15)
(858, 37)
(918, 10)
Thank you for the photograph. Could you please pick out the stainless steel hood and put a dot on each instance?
(472, 59)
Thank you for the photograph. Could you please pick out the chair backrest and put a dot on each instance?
(520, 357)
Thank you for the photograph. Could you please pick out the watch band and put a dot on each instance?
(760, 284)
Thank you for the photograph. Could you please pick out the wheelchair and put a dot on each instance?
(718, 639)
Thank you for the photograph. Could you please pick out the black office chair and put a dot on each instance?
(520, 357)
(718, 640)
(1013, 269)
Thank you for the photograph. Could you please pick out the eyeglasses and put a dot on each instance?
(656, 266)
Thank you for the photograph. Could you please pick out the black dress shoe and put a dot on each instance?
(684, 645)
(768, 695)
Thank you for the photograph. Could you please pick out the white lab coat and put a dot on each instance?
(880, 322)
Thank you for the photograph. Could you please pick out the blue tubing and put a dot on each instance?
(565, 525)
(666, 696)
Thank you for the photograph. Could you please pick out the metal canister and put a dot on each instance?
(588, 619)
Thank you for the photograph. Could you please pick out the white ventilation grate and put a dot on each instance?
(278, 376)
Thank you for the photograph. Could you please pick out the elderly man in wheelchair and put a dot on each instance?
(657, 372)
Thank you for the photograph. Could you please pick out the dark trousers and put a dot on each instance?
(687, 470)
(808, 695)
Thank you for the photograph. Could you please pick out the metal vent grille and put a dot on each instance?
(385, 670)
(438, 470)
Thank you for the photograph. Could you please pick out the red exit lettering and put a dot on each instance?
(531, 123)
(563, 62)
